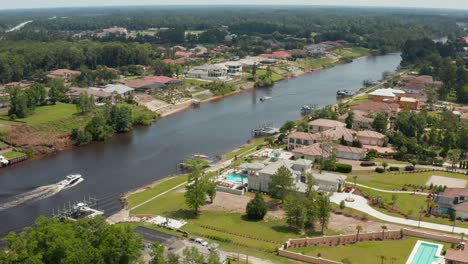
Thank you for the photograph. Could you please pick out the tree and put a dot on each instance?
(354, 180)
(384, 165)
(384, 227)
(98, 128)
(454, 155)
(295, 207)
(358, 230)
(195, 195)
(85, 103)
(213, 258)
(349, 119)
(157, 254)
(281, 184)
(288, 126)
(310, 181)
(323, 211)
(211, 190)
(57, 90)
(342, 205)
(120, 118)
(394, 199)
(18, 103)
(256, 208)
(380, 123)
(191, 255)
(172, 258)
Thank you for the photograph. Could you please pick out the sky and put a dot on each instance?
(15, 4)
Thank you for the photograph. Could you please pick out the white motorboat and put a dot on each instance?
(71, 180)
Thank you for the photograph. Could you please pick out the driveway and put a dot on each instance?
(360, 204)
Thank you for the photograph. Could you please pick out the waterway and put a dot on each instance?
(135, 159)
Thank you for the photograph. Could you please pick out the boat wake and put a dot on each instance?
(42, 192)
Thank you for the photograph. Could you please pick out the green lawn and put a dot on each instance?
(13, 155)
(367, 252)
(246, 149)
(390, 181)
(352, 53)
(4, 145)
(358, 99)
(140, 197)
(274, 76)
(315, 64)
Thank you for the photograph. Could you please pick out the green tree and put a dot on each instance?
(98, 128)
(157, 254)
(281, 184)
(213, 258)
(211, 190)
(195, 195)
(57, 90)
(120, 118)
(85, 104)
(295, 207)
(323, 211)
(172, 259)
(349, 119)
(191, 255)
(256, 208)
(454, 155)
(18, 103)
(288, 126)
(358, 230)
(380, 123)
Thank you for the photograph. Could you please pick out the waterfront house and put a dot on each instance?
(319, 125)
(152, 83)
(313, 152)
(233, 68)
(329, 182)
(317, 151)
(369, 137)
(409, 103)
(63, 73)
(300, 139)
(119, 89)
(385, 95)
(208, 72)
(277, 55)
(261, 179)
(99, 96)
(453, 200)
(373, 108)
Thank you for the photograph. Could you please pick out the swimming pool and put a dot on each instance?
(425, 253)
(234, 177)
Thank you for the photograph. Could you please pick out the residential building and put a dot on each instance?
(385, 95)
(113, 31)
(453, 200)
(277, 55)
(208, 72)
(456, 256)
(183, 54)
(329, 182)
(262, 178)
(230, 37)
(369, 137)
(119, 89)
(373, 108)
(313, 152)
(152, 83)
(99, 96)
(233, 68)
(65, 74)
(350, 153)
(319, 125)
(409, 103)
(301, 139)
(415, 86)
(199, 49)
(338, 134)
(362, 120)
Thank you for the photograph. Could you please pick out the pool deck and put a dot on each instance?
(437, 254)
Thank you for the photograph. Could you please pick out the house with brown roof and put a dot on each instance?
(183, 54)
(453, 200)
(369, 137)
(311, 152)
(300, 139)
(456, 256)
(415, 86)
(152, 83)
(99, 96)
(409, 103)
(319, 125)
(65, 74)
(351, 153)
(317, 151)
(339, 133)
(371, 107)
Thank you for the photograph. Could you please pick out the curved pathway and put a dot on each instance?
(388, 191)
(360, 204)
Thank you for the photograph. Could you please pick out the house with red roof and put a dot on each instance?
(183, 54)
(65, 74)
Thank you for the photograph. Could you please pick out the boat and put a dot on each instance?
(265, 131)
(200, 156)
(343, 93)
(307, 110)
(264, 98)
(71, 180)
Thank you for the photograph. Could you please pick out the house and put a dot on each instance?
(199, 49)
(152, 83)
(208, 72)
(311, 152)
(409, 103)
(371, 107)
(453, 200)
(300, 139)
(329, 182)
(113, 30)
(456, 256)
(362, 120)
(230, 37)
(415, 86)
(233, 68)
(261, 179)
(319, 125)
(183, 54)
(99, 96)
(277, 55)
(339, 133)
(385, 95)
(369, 137)
(350, 153)
(63, 73)
(119, 89)
(179, 61)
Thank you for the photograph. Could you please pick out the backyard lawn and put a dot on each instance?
(13, 155)
(274, 76)
(369, 252)
(315, 64)
(248, 149)
(352, 53)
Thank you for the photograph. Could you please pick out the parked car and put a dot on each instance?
(201, 242)
(348, 189)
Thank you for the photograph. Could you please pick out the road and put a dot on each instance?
(18, 27)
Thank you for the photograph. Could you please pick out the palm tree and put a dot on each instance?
(384, 227)
(429, 204)
(355, 178)
(382, 258)
(358, 230)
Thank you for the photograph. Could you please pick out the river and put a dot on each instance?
(135, 159)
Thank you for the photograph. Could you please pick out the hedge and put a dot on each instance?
(394, 169)
(379, 170)
(344, 168)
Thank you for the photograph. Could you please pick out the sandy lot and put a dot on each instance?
(446, 181)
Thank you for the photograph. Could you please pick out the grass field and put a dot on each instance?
(367, 252)
(358, 99)
(315, 64)
(274, 76)
(246, 149)
(13, 155)
(352, 53)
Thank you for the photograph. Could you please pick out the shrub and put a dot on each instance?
(367, 163)
(394, 169)
(409, 168)
(344, 168)
(256, 208)
(379, 170)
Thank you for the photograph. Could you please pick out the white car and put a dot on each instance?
(201, 242)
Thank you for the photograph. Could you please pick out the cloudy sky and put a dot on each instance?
(455, 4)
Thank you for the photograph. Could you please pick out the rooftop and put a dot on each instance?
(76, 91)
(457, 255)
(329, 177)
(370, 133)
(338, 133)
(115, 88)
(326, 123)
(311, 150)
(408, 99)
(348, 149)
(304, 135)
(455, 192)
(388, 92)
(376, 106)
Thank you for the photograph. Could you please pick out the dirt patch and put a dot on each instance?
(27, 137)
(347, 225)
(446, 181)
(226, 202)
